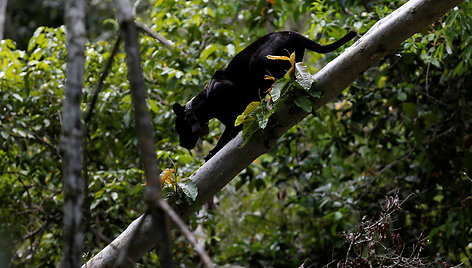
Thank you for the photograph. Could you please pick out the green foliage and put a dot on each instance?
(295, 89)
(31, 83)
(404, 127)
(178, 189)
(246, 115)
(401, 128)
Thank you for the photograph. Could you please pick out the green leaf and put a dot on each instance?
(382, 80)
(154, 106)
(189, 188)
(186, 159)
(278, 88)
(239, 120)
(410, 109)
(208, 51)
(17, 96)
(430, 118)
(4, 134)
(448, 48)
(262, 121)
(126, 99)
(231, 49)
(303, 78)
(251, 107)
(249, 128)
(337, 216)
(304, 103)
(401, 96)
(244, 116)
(435, 62)
(99, 193)
(314, 91)
(460, 69)
(33, 40)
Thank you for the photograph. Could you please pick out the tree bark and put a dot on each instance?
(72, 133)
(3, 14)
(382, 39)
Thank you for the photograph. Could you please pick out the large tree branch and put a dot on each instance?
(383, 38)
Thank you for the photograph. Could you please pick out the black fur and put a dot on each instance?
(230, 90)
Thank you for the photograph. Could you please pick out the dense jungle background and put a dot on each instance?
(382, 175)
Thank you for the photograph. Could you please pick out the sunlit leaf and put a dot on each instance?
(166, 175)
(249, 109)
(270, 57)
(302, 77)
(154, 106)
(189, 188)
(208, 51)
(278, 88)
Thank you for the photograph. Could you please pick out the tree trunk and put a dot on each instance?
(3, 14)
(383, 38)
(72, 133)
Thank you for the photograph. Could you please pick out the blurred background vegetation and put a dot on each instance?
(380, 175)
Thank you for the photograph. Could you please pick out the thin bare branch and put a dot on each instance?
(186, 232)
(87, 119)
(145, 29)
(103, 76)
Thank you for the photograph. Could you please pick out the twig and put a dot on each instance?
(462, 263)
(465, 174)
(145, 29)
(189, 235)
(87, 118)
(35, 232)
(390, 165)
(103, 76)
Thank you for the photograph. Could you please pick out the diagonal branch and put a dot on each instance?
(382, 39)
(101, 80)
(145, 29)
(190, 237)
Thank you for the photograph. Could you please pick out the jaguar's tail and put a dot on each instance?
(316, 47)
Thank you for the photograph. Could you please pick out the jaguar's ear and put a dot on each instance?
(178, 109)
